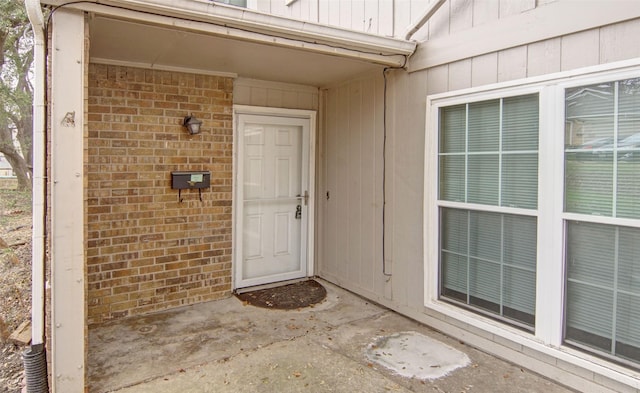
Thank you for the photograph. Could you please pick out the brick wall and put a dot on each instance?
(146, 251)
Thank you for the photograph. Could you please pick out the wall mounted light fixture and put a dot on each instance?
(192, 124)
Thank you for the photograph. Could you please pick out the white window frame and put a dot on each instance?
(550, 271)
(465, 99)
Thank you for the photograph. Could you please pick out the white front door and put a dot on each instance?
(272, 198)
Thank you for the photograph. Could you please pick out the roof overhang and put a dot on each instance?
(207, 36)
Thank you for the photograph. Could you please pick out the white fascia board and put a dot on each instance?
(269, 29)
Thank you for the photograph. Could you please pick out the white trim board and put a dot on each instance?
(67, 105)
(624, 67)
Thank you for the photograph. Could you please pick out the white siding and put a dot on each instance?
(499, 26)
(437, 27)
(351, 162)
(572, 51)
(614, 41)
(276, 95)
(485, 12)
(348, 154)
(459, 74)
(484, 69)
(381, 17)
(350, 189)
(408, 194)
(393, 17)
(513, 7)
(544, 57)
(580, 50)
(512, 64)
(461, 15)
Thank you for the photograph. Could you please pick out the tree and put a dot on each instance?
(16, 90)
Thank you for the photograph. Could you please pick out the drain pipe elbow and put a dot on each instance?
(431, 9)
(34, 12)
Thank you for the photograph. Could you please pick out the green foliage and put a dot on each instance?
(16, 90)
(16, 57)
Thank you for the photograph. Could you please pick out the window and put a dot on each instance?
(602, 167)
(488, 155)
(237, 3)
(602, 141)
(537, 209)
(603, 289)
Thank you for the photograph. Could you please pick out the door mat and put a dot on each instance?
(287, 297)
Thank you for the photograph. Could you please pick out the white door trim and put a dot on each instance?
(238, 168)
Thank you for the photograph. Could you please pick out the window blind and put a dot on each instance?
(488, 260)
(602, 175)
(603, 288)
(488, 155)
(488, 152)
(602, 149)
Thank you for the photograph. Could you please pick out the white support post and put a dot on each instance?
(67, 200)
(550, 270)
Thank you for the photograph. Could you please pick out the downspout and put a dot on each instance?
(431, 9)
(429, 12)
(34, 358)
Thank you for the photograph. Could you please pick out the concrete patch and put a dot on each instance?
(414, 355)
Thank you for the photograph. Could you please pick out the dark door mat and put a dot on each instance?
(287, 297)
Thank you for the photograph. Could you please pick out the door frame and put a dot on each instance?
(238, 167)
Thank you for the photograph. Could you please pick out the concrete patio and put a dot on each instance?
(227, 346)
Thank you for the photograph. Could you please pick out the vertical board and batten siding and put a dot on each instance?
(472, 29)
(587, 48)
(407, 148)
(350, 189)
(372, 16)
(391, 18)
(351, 168)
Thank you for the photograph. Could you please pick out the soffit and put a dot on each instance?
(124, 42)
(202, 36)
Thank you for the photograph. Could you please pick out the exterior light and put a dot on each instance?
(192, 124)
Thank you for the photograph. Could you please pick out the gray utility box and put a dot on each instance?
(181, 180)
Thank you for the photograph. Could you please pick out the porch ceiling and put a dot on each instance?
(127, 42)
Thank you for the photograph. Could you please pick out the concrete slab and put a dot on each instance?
(225, 346)
(280, 367)
(205, 332)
